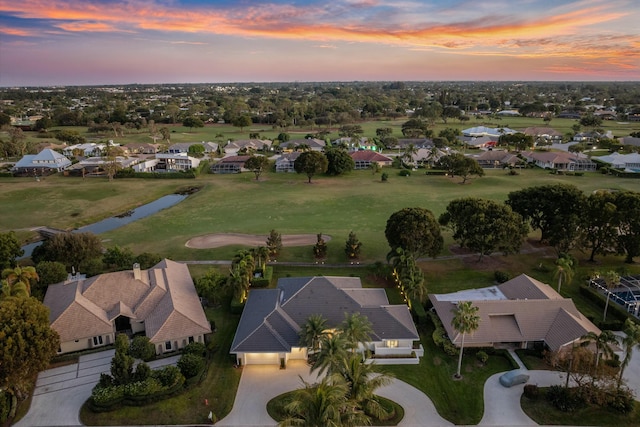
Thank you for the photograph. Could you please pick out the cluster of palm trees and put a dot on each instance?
(17, 281)
(345, 394)
(407, 276)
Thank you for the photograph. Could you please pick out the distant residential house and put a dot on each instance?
(494, 159)
(364, 158)
(417, 143)
(479, 141)
(569, 115)
(626, 162)
(268, 332)
(508, 113)
(630, 140)
(174, 162)
(314, 144)
(230, 164)
(285, 162)
(140, 148)
(591, 137)
(560, 160)
(521, 312)
(97, 166)
(183, 147)
(46, 162)
(354, 144)
(427, 156)
(88, 149)
(160, 303)
(487, 131)
(234, 147)
(545, 134)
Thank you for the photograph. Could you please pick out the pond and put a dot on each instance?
(120, 220)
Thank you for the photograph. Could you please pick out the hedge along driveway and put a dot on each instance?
(357, 202)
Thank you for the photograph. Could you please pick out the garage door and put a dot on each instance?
(262, 359)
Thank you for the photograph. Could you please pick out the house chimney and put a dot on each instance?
(136, 271)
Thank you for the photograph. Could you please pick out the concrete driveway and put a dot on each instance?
(61, 392)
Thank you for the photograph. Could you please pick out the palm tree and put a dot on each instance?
(333, 350)
(312, 332)
(18, 289)
(261, 256)
(611, 281)
(363, 381)
(563, 271)
(603, 343)
(23, 275)
(465, 320)
(356, 329)
(409, 152)
(630, 341)
(324, 404)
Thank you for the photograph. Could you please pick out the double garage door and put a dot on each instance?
(262, 359)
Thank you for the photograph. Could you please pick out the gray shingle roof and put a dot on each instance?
(272, 317)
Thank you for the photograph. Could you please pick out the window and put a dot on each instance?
(167, 345)
(190, 340)
(97, 340)
(392, 343)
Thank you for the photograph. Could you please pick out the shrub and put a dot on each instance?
(565, 399)
(404, 172)
(501, 276)
(419, 312)
(142, 348)
(190, 365)
(621, 401)
(197, 348)
(531, 391)
(482, 357)
(265, 280)
(167, 376)
(440, 337)
(142, 373)
(384, 177)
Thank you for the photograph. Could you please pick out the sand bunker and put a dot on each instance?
(225, 239)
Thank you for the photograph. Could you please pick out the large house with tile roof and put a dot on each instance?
(160, 303)
(45, 162)
(364, 158)
(520, 312)
(269, 326)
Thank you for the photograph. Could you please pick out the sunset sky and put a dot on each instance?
(86, 42)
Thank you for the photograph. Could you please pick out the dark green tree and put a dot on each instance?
(598, 230)
(242, 122)
(122, 363)
(352, 247)
(274, 244)
(28, 343)
(192, 122)
(416, 231)
(147, 260)
(50, 272)
(628, 223)
(459, 164)
(311, 163)
(414, 128)
(212, 286)
(71, 249)
(338, 161)
(10, 249)
(118, 258)
(257, 165)
(484, 226)
(554, 209)
(196, 150)
(320, 248)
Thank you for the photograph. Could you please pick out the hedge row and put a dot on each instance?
(130, 173)
(440, 337)
(419, 312)
(265, 280)
(622, 174)
(153, 389)
(236, 306)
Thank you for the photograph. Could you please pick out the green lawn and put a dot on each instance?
(459, 401)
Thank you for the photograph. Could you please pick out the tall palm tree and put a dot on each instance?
(630, 341)
(324, 404)
(312, 332)
(409, 152)
(261, 256)
(603, 343)
(20, 275)
(356, 329)
(363, 380)
(333, 350)
(611, 281)
(465, 320)
(563, 271)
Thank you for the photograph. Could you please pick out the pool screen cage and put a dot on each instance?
(626, 293)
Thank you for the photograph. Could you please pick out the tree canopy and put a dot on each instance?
(28, 343)
(311, 163)
(461, 165)
(257, 165)
(10, 249)
(416, 231)
(484, 226)
(338, 161)
(71, 249)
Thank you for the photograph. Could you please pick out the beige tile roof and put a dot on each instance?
(530, 311)
(165, 299)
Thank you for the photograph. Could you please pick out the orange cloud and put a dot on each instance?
(20, 32)
(81, 26)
